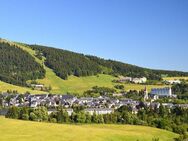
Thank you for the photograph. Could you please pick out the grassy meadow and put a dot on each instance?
(15, 130)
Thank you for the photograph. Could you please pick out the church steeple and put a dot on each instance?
(145, 94)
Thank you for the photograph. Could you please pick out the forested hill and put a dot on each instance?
(65, 63)
(17, 66)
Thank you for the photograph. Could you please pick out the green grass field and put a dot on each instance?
(81, 84)
(175, 78)
(15, 130)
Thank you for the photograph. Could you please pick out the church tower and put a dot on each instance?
(145, 94)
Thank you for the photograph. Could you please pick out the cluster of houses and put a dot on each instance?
(99, 105)
(133, 80)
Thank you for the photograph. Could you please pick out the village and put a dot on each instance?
(98, 105)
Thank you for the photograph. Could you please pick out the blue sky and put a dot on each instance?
(148, 33)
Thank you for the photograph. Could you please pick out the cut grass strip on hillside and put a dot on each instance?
(30, 51)
(5, 86)
(15, 130)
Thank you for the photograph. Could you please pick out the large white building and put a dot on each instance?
(139, 80)
(162, 92)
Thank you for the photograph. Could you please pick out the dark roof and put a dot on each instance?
(67, 97)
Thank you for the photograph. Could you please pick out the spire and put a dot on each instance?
(145, 89)
(145, 94)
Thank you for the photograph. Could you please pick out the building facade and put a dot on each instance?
(162, 92)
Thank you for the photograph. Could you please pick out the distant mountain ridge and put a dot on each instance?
(18, 66)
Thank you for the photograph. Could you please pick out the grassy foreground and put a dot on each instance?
(15, 130)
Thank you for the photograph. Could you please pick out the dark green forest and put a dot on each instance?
(66, 63)
(17, 66)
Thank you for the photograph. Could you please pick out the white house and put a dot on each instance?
(69, 111)
(139, 80)
(37, 86)
(124, 79)
(117, 94)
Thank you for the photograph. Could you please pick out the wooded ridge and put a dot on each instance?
(17, 66)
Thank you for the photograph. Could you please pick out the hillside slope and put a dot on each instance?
(15, 130)
(76, 84)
